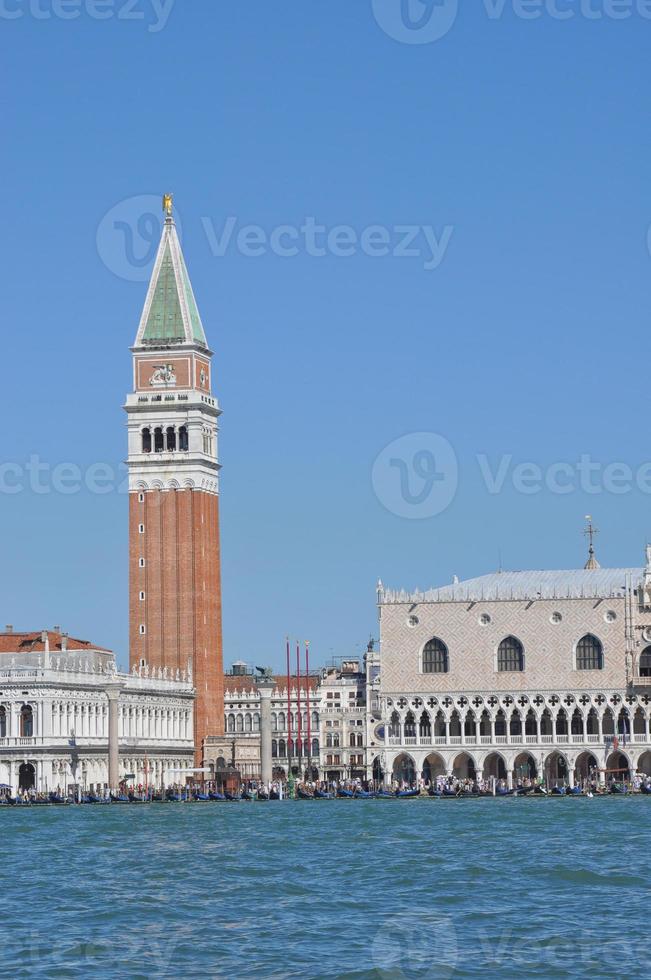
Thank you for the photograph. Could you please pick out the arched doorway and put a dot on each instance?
(524, 767)
(644, 764)
(433, 767)
(556, 769)
(26, 776)
(617, 767)
(404, 770)
(464, 767)
(378, 771)
(585, 768)
(494, 766)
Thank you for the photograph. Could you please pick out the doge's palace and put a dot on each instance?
(516, 675)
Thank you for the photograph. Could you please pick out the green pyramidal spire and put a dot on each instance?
(170, 315)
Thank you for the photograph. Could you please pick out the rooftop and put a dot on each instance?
(12, 641)
(575, 583)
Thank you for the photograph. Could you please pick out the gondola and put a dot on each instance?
(447, 792)
(407, 794)
(435, 793)
(216, 797)
(362, 794)
(559, 791)
(345, 794)
(247, 796)
(262, 795)
(57, 800)
(41, 802)
(303, 794)
(575, 791)
(274, 795)
(645, 788)
(233, 797)
(201, 798)
(319, 794)
(618, 789)
(169, 798)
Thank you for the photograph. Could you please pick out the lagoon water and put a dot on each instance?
(414, 888)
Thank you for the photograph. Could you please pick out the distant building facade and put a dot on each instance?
(514, 675)
(332, 724)
(56, 697)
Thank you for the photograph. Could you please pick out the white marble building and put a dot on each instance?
(55, 695)
(515, 674)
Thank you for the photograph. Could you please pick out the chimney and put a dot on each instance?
(64, 642)
(45, 640)
(9, 628)
(57, 629)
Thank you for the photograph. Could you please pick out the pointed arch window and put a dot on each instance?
(435, 657)
(589, 653)
(510, 656)
(645, 662)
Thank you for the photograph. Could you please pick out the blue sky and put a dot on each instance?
(528, 140)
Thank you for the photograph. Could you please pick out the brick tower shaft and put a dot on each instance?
(174, 548)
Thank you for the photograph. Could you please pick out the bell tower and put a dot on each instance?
(174, 557)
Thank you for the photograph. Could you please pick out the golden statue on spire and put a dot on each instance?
(167, 205)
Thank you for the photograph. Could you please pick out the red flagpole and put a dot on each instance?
(309, 720)
(298, 704)
(289, 717)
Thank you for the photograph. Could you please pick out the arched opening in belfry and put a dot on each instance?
(146, 440)
(3, 721)
(170, 438)
(183, 439)
(158, 440)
